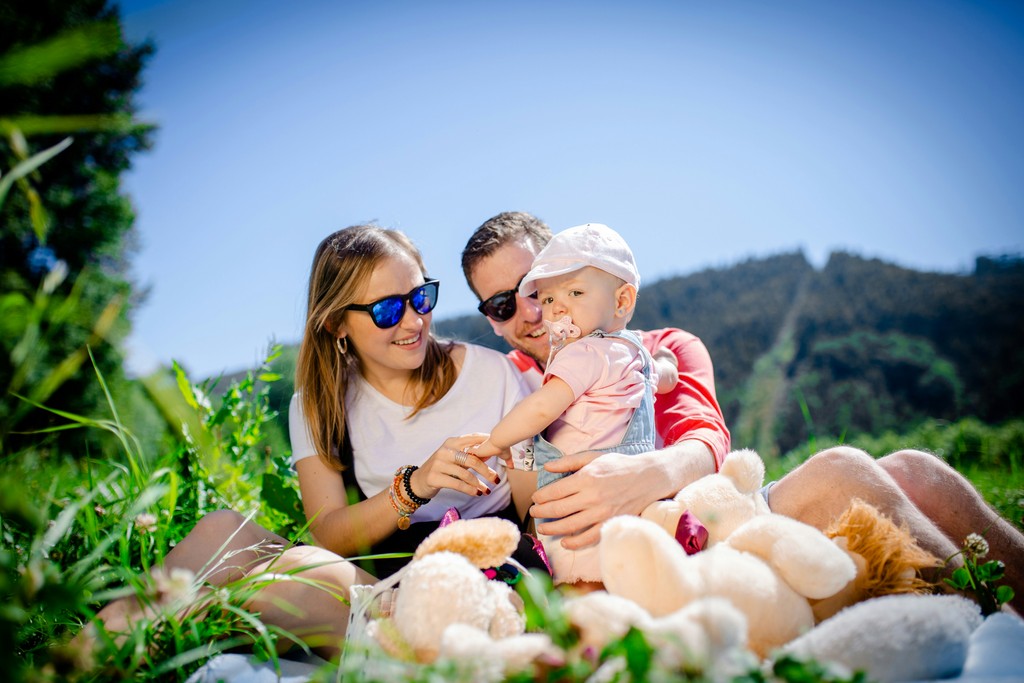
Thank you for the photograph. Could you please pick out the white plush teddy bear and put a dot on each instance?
(783, 575)
(708, 635)
(769, 574)
(721, 501)
(768, 566)
(445, 601)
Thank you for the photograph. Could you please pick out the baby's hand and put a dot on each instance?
(487, 449)
(666, 365)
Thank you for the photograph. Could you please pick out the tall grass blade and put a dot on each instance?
(27, 166)
(40, 62)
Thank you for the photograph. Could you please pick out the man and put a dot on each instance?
(938, 505)
(689, 421)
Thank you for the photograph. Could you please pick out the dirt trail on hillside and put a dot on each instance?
(767, 386)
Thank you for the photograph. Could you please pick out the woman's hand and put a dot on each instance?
(452, 467)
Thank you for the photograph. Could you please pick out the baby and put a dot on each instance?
(597, 393)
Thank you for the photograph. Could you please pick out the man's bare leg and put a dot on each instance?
(820, 489)
(952, 503)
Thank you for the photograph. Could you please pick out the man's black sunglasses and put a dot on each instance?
(501, 306)
(388, 312)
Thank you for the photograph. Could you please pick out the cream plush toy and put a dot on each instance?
(721, 501)
(768, 566)
(708, 635)
(775, 566)
(783, 575)
(446, 607)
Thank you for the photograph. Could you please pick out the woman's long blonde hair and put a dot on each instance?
(342, 262)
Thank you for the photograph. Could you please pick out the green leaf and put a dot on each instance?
(269, 377)
(991, 571)
(14, 311)
(1004, 594)
(638, 654)
(281, 497)
(35, 63)
(35, 124)
(184, 386)
(961, 579)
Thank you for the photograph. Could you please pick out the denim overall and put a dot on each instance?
(639, 436)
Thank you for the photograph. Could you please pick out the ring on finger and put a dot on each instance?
(461, 458)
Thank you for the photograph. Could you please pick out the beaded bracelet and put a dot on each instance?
(401, 502)
(406, 474)
(396, 491)
(403, 514)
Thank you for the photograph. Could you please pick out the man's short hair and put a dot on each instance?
(498, 231)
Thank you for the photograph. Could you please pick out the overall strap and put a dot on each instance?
(634, 339)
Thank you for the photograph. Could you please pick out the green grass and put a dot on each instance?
(77, 533)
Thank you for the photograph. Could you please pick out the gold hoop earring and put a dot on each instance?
(342, 344)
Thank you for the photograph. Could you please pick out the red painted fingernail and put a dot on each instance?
(497, 479)
(479, 493)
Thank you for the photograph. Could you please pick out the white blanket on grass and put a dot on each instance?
(940, 639)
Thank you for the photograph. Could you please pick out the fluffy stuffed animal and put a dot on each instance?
(887, 557)
(896, 637)
(767, 565)
(721, 501)
(445, 601)
(772, 568)
(889, 561)
(708, 635)
(776, 565)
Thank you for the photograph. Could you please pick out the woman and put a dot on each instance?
(374, 391)
(401, 389)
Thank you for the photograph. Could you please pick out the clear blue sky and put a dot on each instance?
(704, 132)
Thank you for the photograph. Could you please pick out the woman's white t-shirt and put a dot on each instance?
(383, 439)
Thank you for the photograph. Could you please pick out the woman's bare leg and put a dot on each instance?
(224, 547)
(224, 536)
(314, 613)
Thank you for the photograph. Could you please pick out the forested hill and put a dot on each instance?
(859, 347)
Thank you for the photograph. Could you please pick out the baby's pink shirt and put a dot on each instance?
(606, 377)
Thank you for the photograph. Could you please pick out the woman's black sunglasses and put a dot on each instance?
(388, 312)
(501, 306)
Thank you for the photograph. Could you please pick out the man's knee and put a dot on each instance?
(809, 493)
(838, 461)
(908, 466)
(909, 461)
(919, 472)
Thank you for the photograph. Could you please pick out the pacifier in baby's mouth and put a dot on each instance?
(560, 330)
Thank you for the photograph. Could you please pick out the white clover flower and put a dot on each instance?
(976, 545)
(146, 523)
(187, 434)
(202, 399)
(175, 586)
